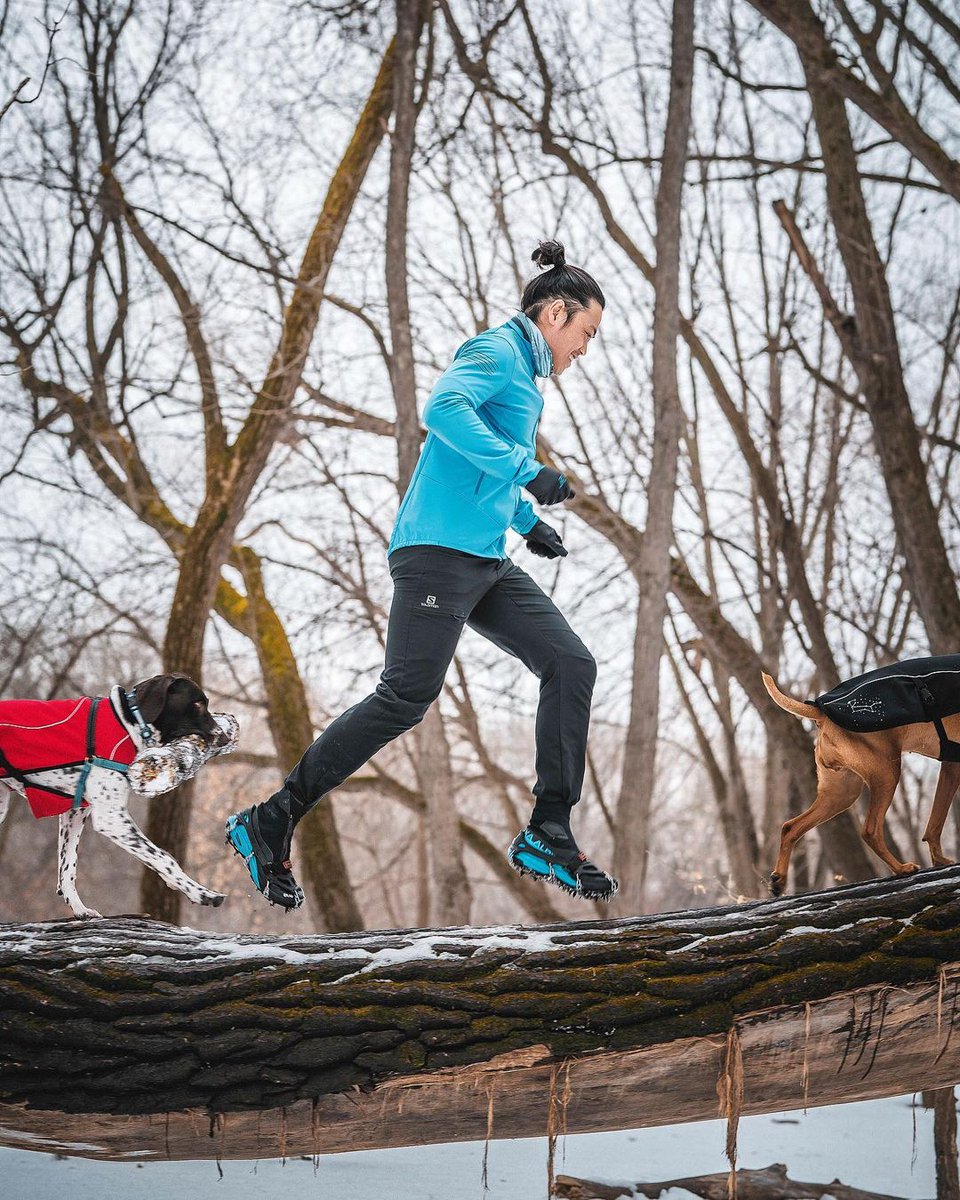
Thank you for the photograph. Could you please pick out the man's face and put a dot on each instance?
(568, 341)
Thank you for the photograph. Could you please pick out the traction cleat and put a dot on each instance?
(547, 852)
(271, 876)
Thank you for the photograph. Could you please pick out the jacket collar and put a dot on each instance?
(538, 353)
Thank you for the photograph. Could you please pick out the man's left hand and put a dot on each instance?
(544, 541)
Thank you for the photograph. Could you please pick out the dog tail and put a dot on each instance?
(797, 707)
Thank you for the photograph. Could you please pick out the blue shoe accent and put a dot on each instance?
(534, 863)
(239, 839)
(274, 879)
(561, 863)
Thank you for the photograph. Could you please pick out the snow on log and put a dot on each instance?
(244, 1046)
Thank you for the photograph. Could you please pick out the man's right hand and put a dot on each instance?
(548, 486)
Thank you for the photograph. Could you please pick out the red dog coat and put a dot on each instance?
(40, 736)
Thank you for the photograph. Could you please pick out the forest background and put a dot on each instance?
(239, 243)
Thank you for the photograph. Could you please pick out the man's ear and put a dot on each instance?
(152, 696)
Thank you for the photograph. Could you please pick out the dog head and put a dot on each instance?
(177, 706)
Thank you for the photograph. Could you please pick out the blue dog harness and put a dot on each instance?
(93, 759)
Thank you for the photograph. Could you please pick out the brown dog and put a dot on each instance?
(845, 761)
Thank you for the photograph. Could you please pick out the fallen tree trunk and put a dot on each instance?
(769, 1183)
(392, 1038)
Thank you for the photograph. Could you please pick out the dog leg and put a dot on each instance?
(947, 786)
(882, 783)
(112, 820)
(837, 789)
(68, 839)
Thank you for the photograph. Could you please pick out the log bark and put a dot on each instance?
(460, 1033)
(769, 1183)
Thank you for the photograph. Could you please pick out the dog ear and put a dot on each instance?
(152, 695)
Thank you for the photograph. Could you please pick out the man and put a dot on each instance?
(446, 557)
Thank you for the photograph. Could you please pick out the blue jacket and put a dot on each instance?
(481, 420)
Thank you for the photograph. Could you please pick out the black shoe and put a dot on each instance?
(548, 852)
(271, 874)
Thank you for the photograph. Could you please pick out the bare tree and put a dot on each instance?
(101, 425)
(51, 26)
(652, 566)
(828, 68)
(810, 505)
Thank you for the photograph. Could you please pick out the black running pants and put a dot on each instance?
(438, 590)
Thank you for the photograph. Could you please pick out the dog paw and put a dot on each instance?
(87, 914)
(907, 868)
(213, 899)
(776, 884)
(940, 860)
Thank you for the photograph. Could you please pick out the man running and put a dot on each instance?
(447, 560)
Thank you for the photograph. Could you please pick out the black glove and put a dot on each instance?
(544, 541)
(549, 487)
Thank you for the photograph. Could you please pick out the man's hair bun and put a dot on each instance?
(564, 282)
(549, 254)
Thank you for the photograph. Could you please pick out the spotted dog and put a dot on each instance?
(69, 759)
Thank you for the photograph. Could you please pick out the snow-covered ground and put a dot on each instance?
(883, 1146)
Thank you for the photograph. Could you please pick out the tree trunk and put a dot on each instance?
(231, 480)
(288, 712)
(833, 996)
(410, 20)
(825, 71)
(876, 357)
(945, 1143)
(733, 810)
(840, 837)
(449, 899)
(450, 892)
(652, 568)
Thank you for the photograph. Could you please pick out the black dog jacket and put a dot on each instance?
(905, 693)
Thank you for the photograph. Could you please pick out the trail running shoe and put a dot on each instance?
(549, 853)
(271, 876)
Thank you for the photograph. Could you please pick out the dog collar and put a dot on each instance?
(142, 727)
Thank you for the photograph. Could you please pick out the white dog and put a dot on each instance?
(70, 757)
